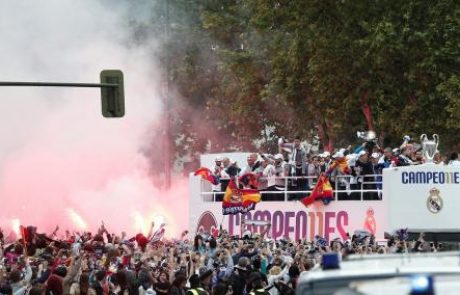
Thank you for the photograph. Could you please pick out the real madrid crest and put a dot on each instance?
(434, 202)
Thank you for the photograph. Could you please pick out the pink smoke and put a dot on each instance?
(41, 186)
(99, 182)
(61, 162)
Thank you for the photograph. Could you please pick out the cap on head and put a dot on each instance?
(338, 155)
(362, 153)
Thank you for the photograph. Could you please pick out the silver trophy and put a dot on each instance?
(429, 147)
(367, 135)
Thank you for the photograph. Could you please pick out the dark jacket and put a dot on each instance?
(238, 283)
(176, 291)
(199, 291)
(366, 168)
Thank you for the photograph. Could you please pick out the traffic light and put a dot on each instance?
(112, 97)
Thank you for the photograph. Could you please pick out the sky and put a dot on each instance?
(61, 162)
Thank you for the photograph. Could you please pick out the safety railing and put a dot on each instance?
(345, 188)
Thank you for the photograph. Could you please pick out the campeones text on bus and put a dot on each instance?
(430, 177)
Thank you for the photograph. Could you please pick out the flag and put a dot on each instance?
(341, 164)
(206, 174)
(249, 180)
(27, 233)
(26, 238)
(322, 191)
(23, 230)
(159, 234)
(239, 200)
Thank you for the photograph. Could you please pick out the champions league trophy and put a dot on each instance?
(368, 136)
(370, 139)
(429, 147)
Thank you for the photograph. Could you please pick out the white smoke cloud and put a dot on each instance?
(57, 152)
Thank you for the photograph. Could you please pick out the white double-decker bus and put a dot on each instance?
(420, 198)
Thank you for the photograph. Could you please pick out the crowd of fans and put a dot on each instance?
(296, 169)
(104, 263)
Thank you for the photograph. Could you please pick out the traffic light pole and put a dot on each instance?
(112, 91)
(53, 84)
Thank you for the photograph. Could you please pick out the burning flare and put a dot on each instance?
(77, 220)
(139, 223)
(16, 226)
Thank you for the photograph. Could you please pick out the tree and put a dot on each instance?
(327, 67)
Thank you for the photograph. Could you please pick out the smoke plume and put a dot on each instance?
(61, 162)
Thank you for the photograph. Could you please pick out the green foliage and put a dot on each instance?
(241, 65)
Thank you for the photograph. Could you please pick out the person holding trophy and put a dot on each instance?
(370, 140)
(297, 162)
(363, 168)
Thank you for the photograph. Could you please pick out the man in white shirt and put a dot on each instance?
(253, 164)
(298, 155)
(281, 172)
(220, 173)
(267, 180)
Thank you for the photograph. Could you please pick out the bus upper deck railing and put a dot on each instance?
(345, 188)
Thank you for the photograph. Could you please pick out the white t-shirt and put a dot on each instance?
(269, 173)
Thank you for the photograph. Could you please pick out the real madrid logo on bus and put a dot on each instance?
(434, 202)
